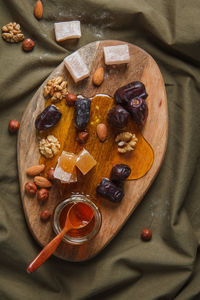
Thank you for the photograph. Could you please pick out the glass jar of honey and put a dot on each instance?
(82, 235)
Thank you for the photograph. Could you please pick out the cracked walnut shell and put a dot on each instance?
(55, 89)
(49, 147)
(12, 33)
(126, 142)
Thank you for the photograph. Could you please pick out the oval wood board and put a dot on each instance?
(142, 67)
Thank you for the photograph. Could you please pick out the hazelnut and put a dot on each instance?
(45, 215)
(70, 99)
(146, 234)
(50, 173)
(28, 45)
(82, 137)
(13, 126)
(43, 195)
(30, 188)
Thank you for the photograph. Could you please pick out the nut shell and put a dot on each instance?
(50, 174)
(43, 195)
(146, 234)
(35, 170)
(30, 188)
(42, 182)
(98, 76)
(82, 137)
(71, 99)
(45, 215)
(12, 33)
(28, 45)
(38, 10)
(13, 126)
(102, 132)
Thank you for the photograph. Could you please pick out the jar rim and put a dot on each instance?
(71, 200)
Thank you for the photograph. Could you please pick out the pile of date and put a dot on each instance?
(130, 103)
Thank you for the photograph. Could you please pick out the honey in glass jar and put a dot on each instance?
(82, 235)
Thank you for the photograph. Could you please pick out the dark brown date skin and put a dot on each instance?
(110, 190)
(82, 113)
(120, 172)
(48, 118)
(126, 93)
(138, 110)
(118, 116)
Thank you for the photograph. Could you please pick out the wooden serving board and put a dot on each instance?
(143, 68)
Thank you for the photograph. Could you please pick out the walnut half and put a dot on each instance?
(49, 147)
(126, 142)
(56, 89)
(12, 33)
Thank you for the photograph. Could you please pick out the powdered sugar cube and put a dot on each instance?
(116, 54)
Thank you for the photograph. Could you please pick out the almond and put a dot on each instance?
(35, 170)
(98, 76)
(102, 132)
(42, 182)
(38, 10)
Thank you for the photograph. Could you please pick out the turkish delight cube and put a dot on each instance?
(67, 30)
(76, 66)
(85, 161)
(65, 170)
(116, 54)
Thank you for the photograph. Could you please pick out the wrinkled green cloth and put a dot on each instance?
(167, 267)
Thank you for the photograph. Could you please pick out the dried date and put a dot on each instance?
(118, 116)
(120, 172)
(82, 113)
(126, 93)
(110, 190)
(138, 110)
(48, 118)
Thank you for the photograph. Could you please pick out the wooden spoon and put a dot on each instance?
(78, 216)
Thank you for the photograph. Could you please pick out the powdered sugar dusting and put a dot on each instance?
(160, 209)
(43, 56)
(95, 23)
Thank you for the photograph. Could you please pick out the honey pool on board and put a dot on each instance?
(106, 155)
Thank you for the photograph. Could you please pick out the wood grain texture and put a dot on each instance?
(142, 67)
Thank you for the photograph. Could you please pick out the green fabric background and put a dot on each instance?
(168, 267)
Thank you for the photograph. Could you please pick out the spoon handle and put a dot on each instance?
(46, 252)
